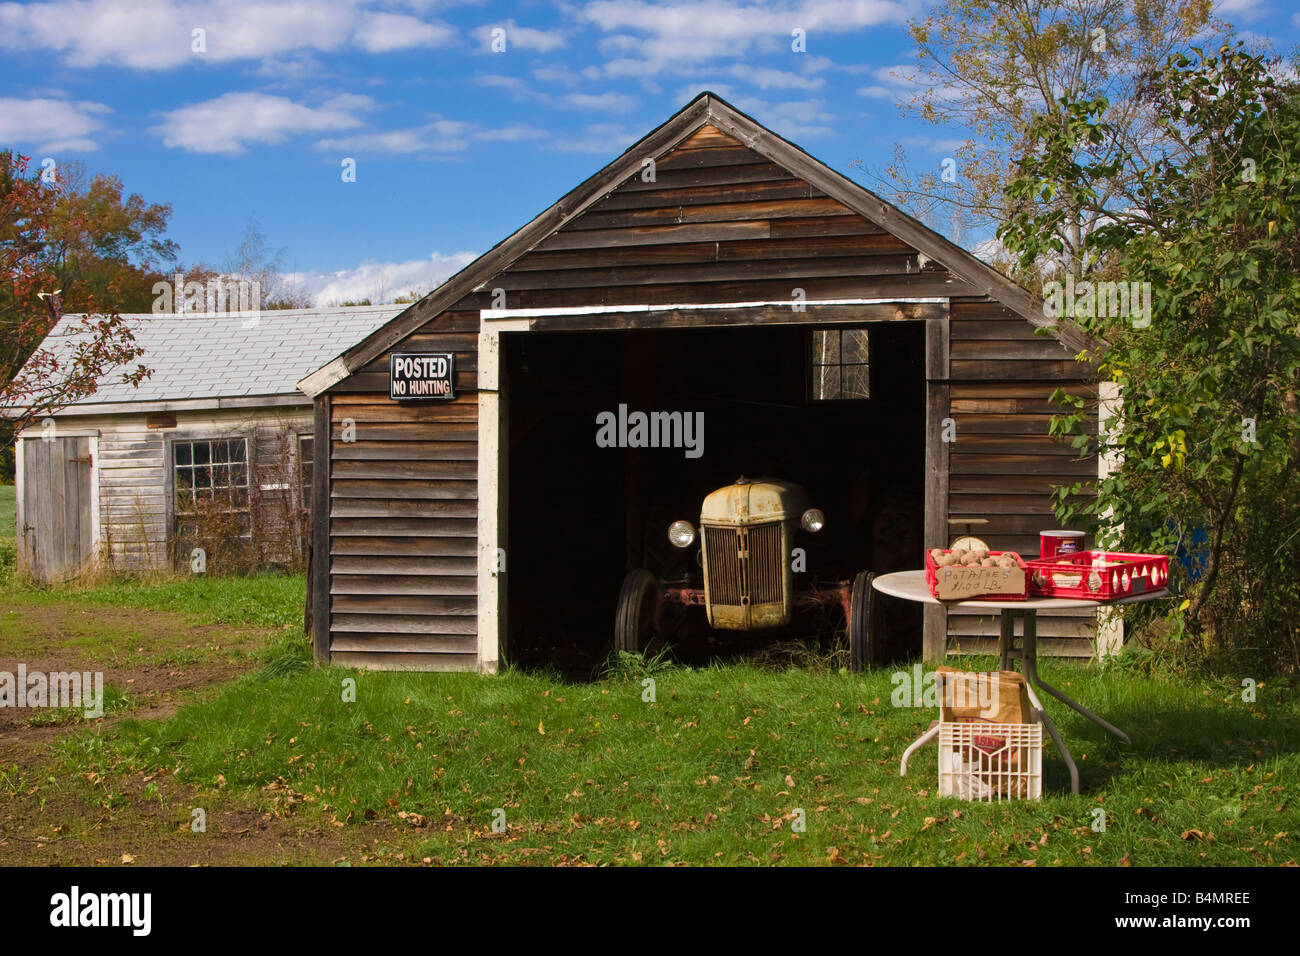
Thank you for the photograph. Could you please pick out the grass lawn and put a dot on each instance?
(157, 644)
(718, 769)
(8, 512)
(722, 766)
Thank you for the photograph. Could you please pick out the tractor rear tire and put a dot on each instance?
(634, 622)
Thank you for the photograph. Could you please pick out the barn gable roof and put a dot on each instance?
(222, 356)
(706, 109)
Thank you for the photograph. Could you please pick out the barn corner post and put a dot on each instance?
(319, 585)
(20, 511)
(1110, 622)
(938, 449)
(493, 496)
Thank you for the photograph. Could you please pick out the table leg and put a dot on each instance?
(920, 742)
(1060, 746)
(1029, 660)
(1007, 640)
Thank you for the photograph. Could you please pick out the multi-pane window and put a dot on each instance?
(210, 474)
(840, 365)
(305, 462)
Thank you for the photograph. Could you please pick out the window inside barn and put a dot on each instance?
(839, 365)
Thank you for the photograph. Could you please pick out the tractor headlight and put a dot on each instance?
(813, 520)
(681, 534)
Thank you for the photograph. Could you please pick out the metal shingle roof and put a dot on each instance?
(199, 355)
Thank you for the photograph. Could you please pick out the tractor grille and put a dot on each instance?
(745, 565)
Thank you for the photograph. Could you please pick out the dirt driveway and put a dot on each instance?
(152, 662)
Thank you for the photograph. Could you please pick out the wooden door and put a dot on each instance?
(55, 530)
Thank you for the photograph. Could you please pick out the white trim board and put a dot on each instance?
(497, 315)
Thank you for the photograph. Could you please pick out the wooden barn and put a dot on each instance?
(214, 444)
(714, 269)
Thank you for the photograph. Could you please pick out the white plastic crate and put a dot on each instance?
(991, 762)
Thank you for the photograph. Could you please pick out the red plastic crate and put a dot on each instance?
(1077, 576)
(931, 579)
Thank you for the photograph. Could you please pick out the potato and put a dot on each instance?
(936, 554)
(987, 563)
(959, 554)
(945, 561)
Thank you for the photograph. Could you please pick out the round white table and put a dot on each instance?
(911, 586)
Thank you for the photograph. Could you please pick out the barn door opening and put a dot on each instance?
(798, 403)
(55, 518)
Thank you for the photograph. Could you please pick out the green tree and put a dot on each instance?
(989, 71)
(104, 246)
(1207, 435)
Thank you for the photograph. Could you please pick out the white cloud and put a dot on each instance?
(295, 68)
(612, 102)
(1246, 9)
(766, 78)
(513, 84)
(383, 32)
(607, 139)
(233, 121)
(157, 34)
(794, 119)
(647, 38)
(556, 74)
(521, 38)
(50, 125)
(933, 144)
(901, 82)
(439, 137)
(892, 83)
(379, 281)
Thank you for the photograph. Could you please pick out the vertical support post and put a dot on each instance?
(938, 404)
(1110, 625)
(493, 489)
(95, 517)
(1007, 641)
(322, 440)
(20, 506)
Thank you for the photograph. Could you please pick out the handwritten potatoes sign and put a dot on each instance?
(962, 583)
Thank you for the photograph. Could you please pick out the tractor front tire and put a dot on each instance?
(865, 637)
(634, 622)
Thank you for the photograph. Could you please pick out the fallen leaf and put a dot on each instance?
(127, 858)
(541, 727)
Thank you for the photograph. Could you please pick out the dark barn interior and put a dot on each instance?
(580, 516)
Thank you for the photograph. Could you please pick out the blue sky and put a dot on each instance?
(455, 145)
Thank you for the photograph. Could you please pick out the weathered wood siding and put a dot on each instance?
(1003, 463)
(720, 223)
(133, 507)
(402, 492)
